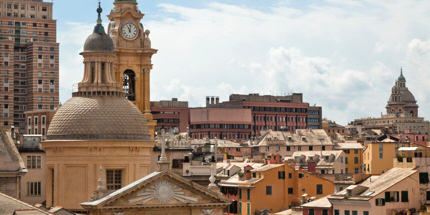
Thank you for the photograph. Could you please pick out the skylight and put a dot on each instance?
(369, 193)
(343, 193)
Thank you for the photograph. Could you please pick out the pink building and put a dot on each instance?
(320, 206)
(221, 123)
(409, 136)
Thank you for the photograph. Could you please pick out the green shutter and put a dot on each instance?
(336, 212)
(365, 212)
(405, 197)
(424, 177)
(383, 202)
(387, 196)
(376, 202)
(240, 207)
(283, 174)
(311, 212)
(279, 175)
(248, 208)
(324, 212)
(346, 212)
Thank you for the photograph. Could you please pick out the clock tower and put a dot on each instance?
(132, 65)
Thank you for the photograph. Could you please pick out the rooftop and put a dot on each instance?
(319, 203)
(349, 145)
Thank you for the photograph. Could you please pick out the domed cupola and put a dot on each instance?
(401, 77)
(99, 41)
(99, 109)
(395, 89)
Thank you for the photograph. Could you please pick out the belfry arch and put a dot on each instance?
(129, 84)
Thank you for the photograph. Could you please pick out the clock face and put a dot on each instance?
(129, 31)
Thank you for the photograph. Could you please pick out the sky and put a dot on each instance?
(343, 55)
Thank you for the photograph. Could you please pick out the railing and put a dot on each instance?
(94, 87)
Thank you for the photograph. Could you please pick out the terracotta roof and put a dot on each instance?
(9, 204)
(302, 137)
(319, 203)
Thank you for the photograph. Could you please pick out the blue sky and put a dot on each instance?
(343, 55)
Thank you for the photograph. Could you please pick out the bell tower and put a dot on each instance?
(132, 65)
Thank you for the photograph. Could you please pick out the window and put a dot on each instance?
(240, 207)
(381, 147)
(34, 188)
(301, 175)
(299, 148)
(379, 202)
(324, 212)
(6, 80)
(51, 107)
(248, 208)
(381, 155)
(365, 212)
(51, 74)
(39, 107)
(311, 148)
(336, 212)
(51, 49)
(311, 212)
(240, 193)
(40, 56)
(34, 162)
(392, 196)
(355, 170)
(346, 212)
(290, 190)
(346, 160)
(259, 175)
(323, 148)
(346, 170)
(254, 175)
(405, 197)
(346, 151)
(290, 175)
(288, 148)
(51, 82)
(424, 177)
(51, 99)
(354, 213)
(39, 98)
(356, 160)
(281, 174)
(268, 190)
(428, 195)
(355, 151)
(248, 194)
(113, 181)
(319, 189)
(267, 148)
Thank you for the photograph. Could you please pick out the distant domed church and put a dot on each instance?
(98, 126)
(402, 101)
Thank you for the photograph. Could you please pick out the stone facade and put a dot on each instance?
(161, 193)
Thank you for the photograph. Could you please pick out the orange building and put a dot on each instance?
(275, 187)
(353, 156)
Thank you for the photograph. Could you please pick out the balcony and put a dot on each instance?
(405, 162)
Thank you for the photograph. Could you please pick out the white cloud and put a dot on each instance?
(342, 55)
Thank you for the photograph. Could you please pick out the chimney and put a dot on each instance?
(212, 100)
(207, 100)
(217, 100)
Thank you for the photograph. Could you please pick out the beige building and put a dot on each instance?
(285, 144)
(97, 127)
(29, 60)
(33, 184)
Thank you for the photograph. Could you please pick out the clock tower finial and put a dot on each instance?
(99, 27)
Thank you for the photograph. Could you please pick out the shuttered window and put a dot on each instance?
(424, 177)
(405, 197)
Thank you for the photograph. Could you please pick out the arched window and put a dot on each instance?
(103, 72)
(129, 85)
(93, 71)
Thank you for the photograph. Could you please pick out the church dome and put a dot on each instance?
(98, 118)
(401, 78)
(407, 96)
(395, 89)
(99, 42)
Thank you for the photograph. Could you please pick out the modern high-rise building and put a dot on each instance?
(29, 60)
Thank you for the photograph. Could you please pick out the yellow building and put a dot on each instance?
(378, 156)
(353, 156)
(132, 64)
(275, 187)
(97, 127)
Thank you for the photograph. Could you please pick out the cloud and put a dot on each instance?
(342, 55)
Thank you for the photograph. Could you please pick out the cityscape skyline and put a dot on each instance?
(344, 62)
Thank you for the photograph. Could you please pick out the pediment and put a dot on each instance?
(165, 189)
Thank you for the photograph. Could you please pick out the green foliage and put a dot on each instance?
(240, 174)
